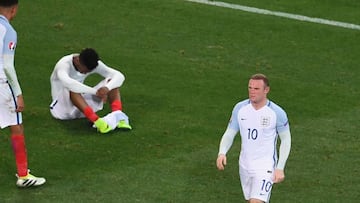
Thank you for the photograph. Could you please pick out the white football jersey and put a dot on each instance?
(65, 76)
(8, 42)
(258, 130)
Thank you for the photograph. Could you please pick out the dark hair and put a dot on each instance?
(89, 58)
(262, 77)
(8, 3)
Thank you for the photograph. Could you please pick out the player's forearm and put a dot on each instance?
(284, 150)
(81, 88)
(226, 141)
(115, 76)
(116, 81)
(11, 74)
(74, 85)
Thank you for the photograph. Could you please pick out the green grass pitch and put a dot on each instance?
(186, 65)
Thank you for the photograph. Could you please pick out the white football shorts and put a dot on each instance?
(62, 108)
(8, 115)
(256, 184)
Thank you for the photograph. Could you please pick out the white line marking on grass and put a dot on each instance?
(279, 14)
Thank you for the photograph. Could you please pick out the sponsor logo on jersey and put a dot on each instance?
(12, 46)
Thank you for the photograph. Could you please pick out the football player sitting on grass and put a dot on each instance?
(72, 99)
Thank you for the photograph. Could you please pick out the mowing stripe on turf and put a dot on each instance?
(279, 14)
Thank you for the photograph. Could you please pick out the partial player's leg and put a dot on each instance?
(25, 179)
(79, 101)
(116, 105)
(245, 179)
(115, 99)
(261, 186)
